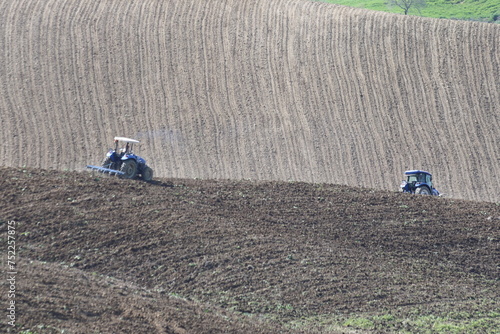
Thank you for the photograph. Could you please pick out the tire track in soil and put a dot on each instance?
(17, 64)
(284, 90)
(9, 102)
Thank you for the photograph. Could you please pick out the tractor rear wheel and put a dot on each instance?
(147, 174)
(423, 191)
(129, 168)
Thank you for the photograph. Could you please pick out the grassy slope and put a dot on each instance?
(480, 10)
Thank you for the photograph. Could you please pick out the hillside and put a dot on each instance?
(100, 254)
(252, 89)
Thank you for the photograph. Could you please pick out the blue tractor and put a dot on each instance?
(124, 163)
(418, 182)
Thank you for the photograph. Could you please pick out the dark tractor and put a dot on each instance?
(418, 182)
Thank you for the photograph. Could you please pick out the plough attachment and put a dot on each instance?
(105, 170)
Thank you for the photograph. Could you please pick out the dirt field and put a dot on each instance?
(103, 255)
(248, 111)
(260, 89)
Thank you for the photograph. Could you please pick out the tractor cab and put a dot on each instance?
(418, 182)
(418, 176)
(125, 151)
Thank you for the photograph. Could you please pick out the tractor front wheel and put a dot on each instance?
(147, 174)
(107, 163)
(129, 169)
(422, 191)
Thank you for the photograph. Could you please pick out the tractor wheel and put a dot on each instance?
(129, 168)
(422, 191)
(106, 163)
(147, 174)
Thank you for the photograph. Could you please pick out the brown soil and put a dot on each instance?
(262, 89)
(102, 255)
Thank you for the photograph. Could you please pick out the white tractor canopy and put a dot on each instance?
(127, 140)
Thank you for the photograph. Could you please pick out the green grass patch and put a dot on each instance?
(473, 10)
(409, 321)
(359, 323)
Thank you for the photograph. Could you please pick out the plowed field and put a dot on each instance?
(260, 89)
(103, 255)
